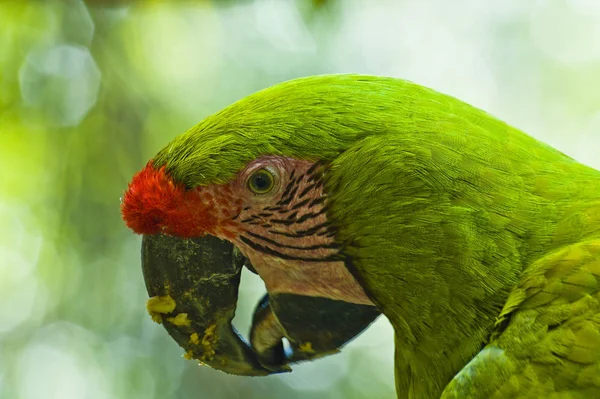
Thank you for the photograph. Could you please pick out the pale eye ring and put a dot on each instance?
(261, 181)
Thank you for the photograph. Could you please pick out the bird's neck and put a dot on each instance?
(447, 316)
(447, 309)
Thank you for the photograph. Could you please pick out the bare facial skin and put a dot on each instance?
(286, 235)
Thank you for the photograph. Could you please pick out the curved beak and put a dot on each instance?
(193, 285)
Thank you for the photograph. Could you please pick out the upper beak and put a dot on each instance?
(193, 285)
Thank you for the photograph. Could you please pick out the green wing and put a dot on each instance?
(547, 344)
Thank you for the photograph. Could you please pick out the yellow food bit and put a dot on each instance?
(209, 335)
(194, 339)
(306, 347)
(188, 355)
(159, 305)
(181, 320)
(208, 340)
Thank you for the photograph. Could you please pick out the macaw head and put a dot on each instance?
(250, 185)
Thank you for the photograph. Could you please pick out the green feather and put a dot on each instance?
(319, 118)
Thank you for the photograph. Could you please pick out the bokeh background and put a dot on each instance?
(90, 90)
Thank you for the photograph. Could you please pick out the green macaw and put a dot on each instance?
(480, 244)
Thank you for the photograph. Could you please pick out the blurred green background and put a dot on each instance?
(89, 91)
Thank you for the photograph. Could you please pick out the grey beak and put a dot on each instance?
(193, 285)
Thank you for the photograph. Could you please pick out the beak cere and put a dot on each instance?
(193, 285)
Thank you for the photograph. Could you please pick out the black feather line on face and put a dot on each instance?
(292, 216)
(308, 189)
(315, 166)
(274, 209)
(331, 245)
(291, 184)
(269, 251)
(300, 204)
(289, 197)
(290, 194)
(317, 201)
(311, 215)
(301, 219)
(312, 230)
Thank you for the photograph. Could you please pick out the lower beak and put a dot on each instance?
(193, 285)
(314, 327)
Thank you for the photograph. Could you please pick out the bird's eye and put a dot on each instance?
(261, 181)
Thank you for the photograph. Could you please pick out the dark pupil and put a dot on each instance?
(261, 181)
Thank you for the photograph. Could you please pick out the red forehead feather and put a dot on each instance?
(154, 203)
(151, 195)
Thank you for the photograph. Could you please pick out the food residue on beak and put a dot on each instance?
(306, 347)
(206, 344)
(181, 320)
(159, 305)
(194, 339)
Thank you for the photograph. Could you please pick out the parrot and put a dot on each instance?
(375, 195)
